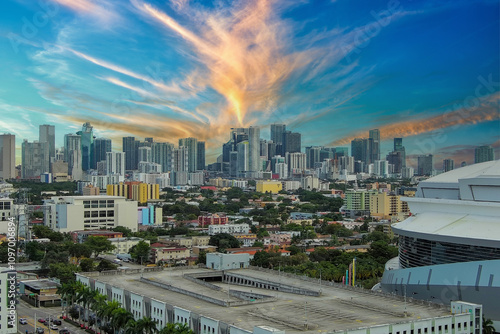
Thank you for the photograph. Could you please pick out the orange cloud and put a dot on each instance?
(89, 7)
(486, 111)
(244, 54)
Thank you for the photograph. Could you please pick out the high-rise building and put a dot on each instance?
(192, 146)
(87, 140)
(254, 149)
(313, 155)
(115, 163)
(397, 159)
(264, 148)
(277, 131)
(374, 135)
(357, 149)
(398, 144)
(71, 142)
(243, 166)
(278, 159)
(35, 159)
(144, 154)
(296, 162)
(448, 164)
(180, 159)
(200, 160)
(47, 135)
(7, 156)
(341, 152)
(130, 147)
(162, 154)
(425, 164)
(483, 154)
(101, 147)
(291, 142)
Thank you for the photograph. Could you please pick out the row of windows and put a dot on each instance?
(439, 329)
(420, 252)
(110, 203)
(102, 213)
(4, 205)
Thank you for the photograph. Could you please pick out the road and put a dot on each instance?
(130, 265)
(32, 314)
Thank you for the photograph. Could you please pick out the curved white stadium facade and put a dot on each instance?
(449, 249)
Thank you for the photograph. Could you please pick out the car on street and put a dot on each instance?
(40, 330)
(57, 322)
(41, 320)
(54, 327)
(23, 321)
(64, 331)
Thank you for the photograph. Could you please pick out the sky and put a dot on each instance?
(427, 71)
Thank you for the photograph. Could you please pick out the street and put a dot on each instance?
(32, 314)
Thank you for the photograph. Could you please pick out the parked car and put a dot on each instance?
(64, 331)
(23, 321)
(54, 327)
(57, 322)
(42, 321)
(40, 330)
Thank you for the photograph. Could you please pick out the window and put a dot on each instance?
(95, 214)
(86, 214)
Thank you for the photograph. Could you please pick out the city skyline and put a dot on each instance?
(332, 71)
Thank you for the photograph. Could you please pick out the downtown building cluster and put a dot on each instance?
(86, 158)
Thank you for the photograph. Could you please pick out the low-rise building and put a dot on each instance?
(212, 219)
(123, 245)
(219, 261)
(82, 236)
(71, 213)
(168, 255)
(228, 228)
(40, 292)
(268, 186)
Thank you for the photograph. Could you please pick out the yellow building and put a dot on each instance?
(269, 186)
(138, 191)
(385, 206)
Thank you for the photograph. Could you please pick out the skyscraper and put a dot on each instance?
(313, 155)
(87, 138)
(73, 155)
(145, 154)
(357, 149)
(47, 135)
(101, 147)
(425, 164)
(483, 154)
(162, 154)
(200, 160)
(7, 156)
(115, 163)
(35, 159)
(291, 142)
(192, 146)
(180, 159)
(398, 144)
(130, 147)
(254, 149)
(448, 164)
(374, 135)
(243, 162)
(277, 131)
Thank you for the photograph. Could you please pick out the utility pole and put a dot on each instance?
(405, 301)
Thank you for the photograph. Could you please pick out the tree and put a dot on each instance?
(87, 265)
(119, 318)
(261, 259)
(54, 257)
(79, 250)
(125, 230)
(223, 241)
(202, 257)
(99, 245)
(146, 325)
(106, 265)
(488, 326)
(171, 328)
(141, 251)
(64, 271)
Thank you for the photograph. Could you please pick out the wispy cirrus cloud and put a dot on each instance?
(486, 111)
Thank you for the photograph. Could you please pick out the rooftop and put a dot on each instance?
(336, 308)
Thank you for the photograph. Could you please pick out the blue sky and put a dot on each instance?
(427, 71)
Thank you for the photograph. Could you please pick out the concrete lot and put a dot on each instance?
(336, 308)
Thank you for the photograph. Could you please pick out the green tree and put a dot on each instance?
(140, 252)
(146, 325)
(119, 318)
(54, 257)
(105, 265)
(261, 259)
(64, 271)
(178, 328)
(223, 241)
(79, 250)
(488, 327)
(202, 257)
(87, 265)
(125, 230)
(99, 245)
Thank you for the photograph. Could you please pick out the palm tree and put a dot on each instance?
(95, 303)
(146, 325)
(488, 326)
(108, 309)
(177, 328)
(132, 327)
(120, 318)
(67, 293)
(84, 297)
